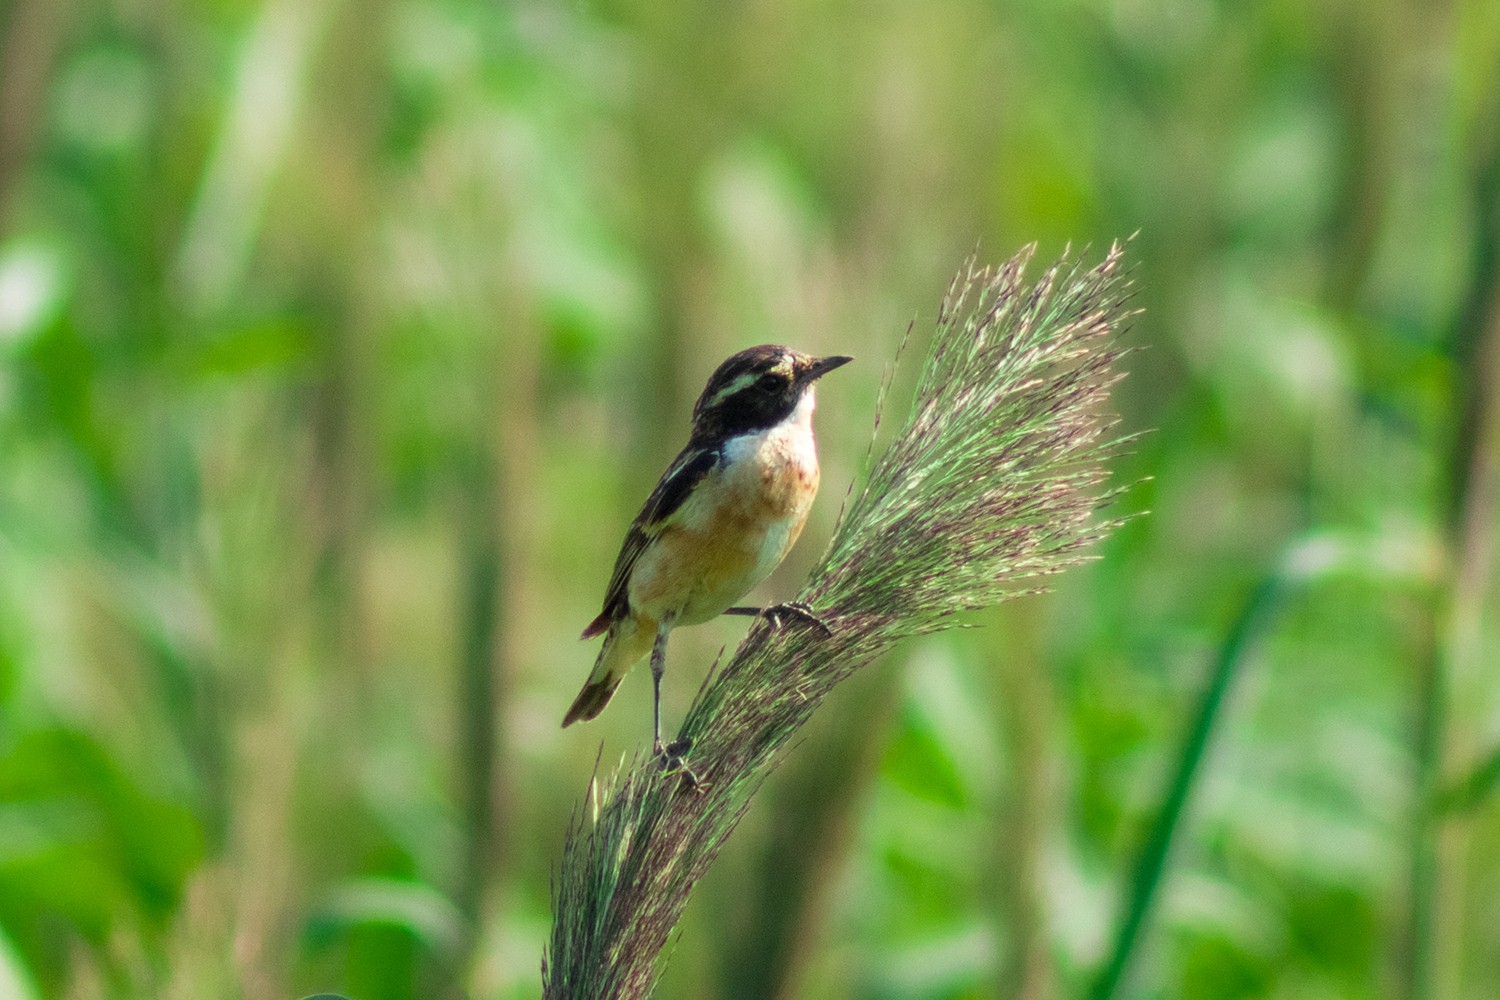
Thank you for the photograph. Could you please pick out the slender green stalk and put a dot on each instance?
(1152, 863)
(993, 483)
(1316, 556)
(1422, 861)
(1444, 730)
(1023, 696)
(478, 705)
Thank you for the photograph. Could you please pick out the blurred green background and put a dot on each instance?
(340, 341)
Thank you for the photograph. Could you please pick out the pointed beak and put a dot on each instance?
(822, 366)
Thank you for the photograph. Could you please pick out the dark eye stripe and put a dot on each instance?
(751, 390)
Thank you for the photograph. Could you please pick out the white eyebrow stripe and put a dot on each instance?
(740, 382)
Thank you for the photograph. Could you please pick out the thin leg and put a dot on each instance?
(670, 755)
(776, 612)
(658, 667)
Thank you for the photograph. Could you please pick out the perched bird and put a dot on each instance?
(722, 517)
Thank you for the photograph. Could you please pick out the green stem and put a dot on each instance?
(1422, 867)
(1151, 865)
(1444, 728)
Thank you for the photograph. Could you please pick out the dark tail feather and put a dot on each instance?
(591, 700)
(598, 626)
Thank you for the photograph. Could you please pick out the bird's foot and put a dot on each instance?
(796, 609)
(672, 759)
(777, 613)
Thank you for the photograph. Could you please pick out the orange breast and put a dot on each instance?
(728, 537)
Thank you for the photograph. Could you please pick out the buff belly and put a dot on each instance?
(732, 532)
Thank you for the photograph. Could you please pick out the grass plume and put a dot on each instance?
(993, 483)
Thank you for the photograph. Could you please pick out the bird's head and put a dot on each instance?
(758, 388)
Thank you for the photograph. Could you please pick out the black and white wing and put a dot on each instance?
(676, 484)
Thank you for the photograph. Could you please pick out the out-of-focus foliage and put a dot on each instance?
(339, 342)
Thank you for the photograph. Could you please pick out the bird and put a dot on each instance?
(723, 516)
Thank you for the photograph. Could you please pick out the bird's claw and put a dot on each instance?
(672, 759)
(796, 609)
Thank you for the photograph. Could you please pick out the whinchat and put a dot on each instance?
(722, 517)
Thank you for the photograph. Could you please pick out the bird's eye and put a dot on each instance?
(770, 380)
